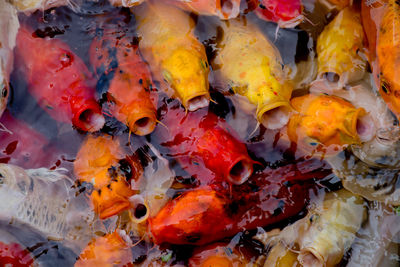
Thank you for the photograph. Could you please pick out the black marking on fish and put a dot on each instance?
(193, 238)
(279, 209)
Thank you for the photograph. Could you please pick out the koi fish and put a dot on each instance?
(8, 33)
(46, 202)
(218, 254)
(201, 140)
(176, 57)
(287, 13)
(387, 50)
(108, 251)
(204, 215)
(323, 236)
(30, 6)
(23, 146)
(13, 254)
(59, 80)
(326, 124)
(252, 66)
(337, 69)
(115, 57)
(224, 9)
(102, 162)
(281, 256)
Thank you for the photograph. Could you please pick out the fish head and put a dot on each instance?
(186, 72)
(326, 124)
(389, 88)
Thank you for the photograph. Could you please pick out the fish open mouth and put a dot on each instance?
(309, 257)
(276, 118)
(197, 102)
(365, 128)
(90, 120)
(240, 171)
(140, 209)
(143, 125)
(229, 8)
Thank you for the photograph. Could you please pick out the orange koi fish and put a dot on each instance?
(286, 13)
(218, 255)
(224, 9)
(59, 80)
(102, 163)
(106, 251)
(327, 123)
(202, 216)
(177, 59)
(116, 58)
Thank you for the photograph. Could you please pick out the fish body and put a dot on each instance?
(33, 5)
(126, 3)
(23, 146)
(59, 80)
(176, 57)
(287, 13)
(8, 33)
(205, 215)
(201, 140)
(388, 55)
(116, 58)
(326, 124)
(224, 9)
(337, 69)
(252, 66)
(44, 201)
(108, 251)
(102, 162)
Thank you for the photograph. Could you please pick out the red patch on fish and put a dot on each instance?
(279, 11)
(14, 255)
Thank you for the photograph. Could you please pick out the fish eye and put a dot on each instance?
(1, 178)
(204, 64)
(126, 169)
(386, 87)
(4, 91)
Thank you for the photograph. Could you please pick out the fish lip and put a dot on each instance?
(283, 106)
(246, 170)
(197, 101)
(96, 117)
(233, 12)
(113, 208)
(143, 127)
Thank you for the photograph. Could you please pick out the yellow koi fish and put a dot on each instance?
(252, 66)
(176, 57)
(339, 49)
(327, 123)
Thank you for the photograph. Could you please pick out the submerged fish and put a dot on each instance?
(106, 251)
(326, 124)
(252, 66)
(116, 60)
(218, 255)
(59, 80)
(337, 68)
(12, 254)
(286, 13)
(224, 9)
(176, 57)
(102, 162)
(8, 33)
(46, 202)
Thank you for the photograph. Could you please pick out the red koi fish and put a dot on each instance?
(14, 255)
(23, 146)
(200, 139)
(59, 80)
(116, 57)
(286, 13)
(202, 216)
